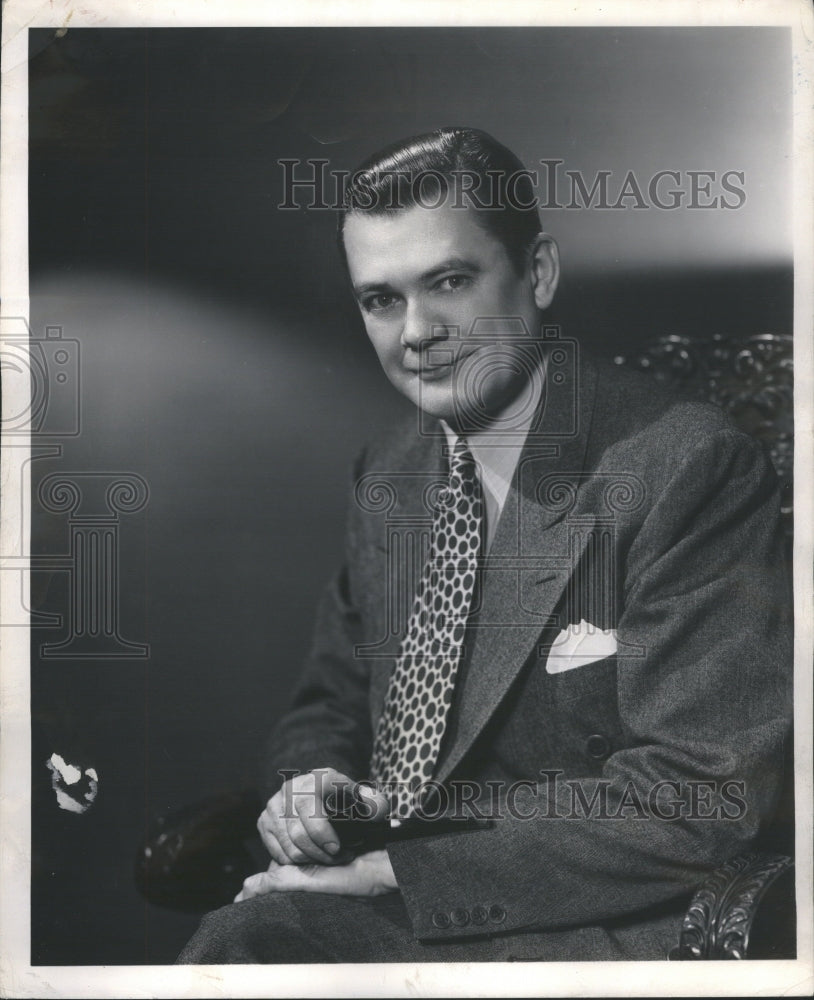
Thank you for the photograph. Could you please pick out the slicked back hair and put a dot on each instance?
(463, 167)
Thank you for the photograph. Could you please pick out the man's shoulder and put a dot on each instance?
(405, 441)
(650, 431)
(629, 403)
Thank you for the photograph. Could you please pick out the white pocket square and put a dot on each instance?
(579, 645)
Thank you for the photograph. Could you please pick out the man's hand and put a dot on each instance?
(294, 826)
(367, 875)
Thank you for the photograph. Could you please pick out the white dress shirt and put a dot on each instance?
(496, 449)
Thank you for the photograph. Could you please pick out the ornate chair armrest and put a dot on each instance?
(745, 909)
(196, 858)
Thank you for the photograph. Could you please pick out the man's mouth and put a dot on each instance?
(431, 369)
(431, 373)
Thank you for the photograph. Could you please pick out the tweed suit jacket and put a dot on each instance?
(612, 784)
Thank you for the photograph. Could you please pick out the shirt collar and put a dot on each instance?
(496, 448)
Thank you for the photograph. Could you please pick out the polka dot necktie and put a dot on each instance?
(409, 733)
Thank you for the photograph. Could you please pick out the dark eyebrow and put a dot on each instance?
(450, 264)
(374, 286)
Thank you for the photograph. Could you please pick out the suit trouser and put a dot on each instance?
(295, 927)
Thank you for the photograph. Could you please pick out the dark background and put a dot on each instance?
(223, 361)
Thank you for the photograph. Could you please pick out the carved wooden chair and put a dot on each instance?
(196, 858)
(752, 379)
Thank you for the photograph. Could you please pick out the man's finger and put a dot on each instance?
(266, 828)
(367, 875)
(276, 851)
(288, 853)
(321, 836)
(266, 819)
(294, 856)
(255, 885)
(286, 878)
(299, 837)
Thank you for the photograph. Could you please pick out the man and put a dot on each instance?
(561, 622)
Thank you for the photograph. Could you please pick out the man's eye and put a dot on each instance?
(379, 303)
(453, 282)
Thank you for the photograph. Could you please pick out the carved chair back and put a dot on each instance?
(752, 378)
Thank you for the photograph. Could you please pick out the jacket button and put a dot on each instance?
(460, 917)
(441, 920)
(597, 746)
(496, 913)
(479, 914)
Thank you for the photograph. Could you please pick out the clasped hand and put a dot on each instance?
(305, 850)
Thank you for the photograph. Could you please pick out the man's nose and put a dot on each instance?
(421, 327)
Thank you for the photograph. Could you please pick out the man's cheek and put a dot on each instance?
(384, 352)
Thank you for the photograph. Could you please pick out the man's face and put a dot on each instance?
(422, 278)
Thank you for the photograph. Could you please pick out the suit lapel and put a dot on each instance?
(531, 559)
(419, 468)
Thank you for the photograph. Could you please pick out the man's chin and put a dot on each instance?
(440, 400)
(454, 413)
(436, 401)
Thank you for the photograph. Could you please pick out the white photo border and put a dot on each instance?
(17, 977)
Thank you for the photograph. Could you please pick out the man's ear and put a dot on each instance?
(545, 269)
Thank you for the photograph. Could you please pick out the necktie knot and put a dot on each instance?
(463, 474)
(461, 461)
